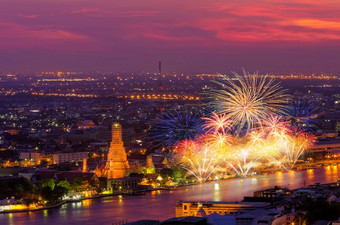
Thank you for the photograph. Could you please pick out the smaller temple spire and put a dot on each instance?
(85, 165)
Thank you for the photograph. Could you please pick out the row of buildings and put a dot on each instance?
(275, 206)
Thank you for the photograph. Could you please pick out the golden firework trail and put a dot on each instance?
(249, 99)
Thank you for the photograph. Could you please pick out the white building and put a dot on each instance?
(68, 157)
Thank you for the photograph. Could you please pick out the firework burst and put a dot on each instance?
(250, 100)
(274, 126)
(302, 115)
(244, 133)
(199, 160)
(287, 148)
(174, 128)
(217, 123)
(242, 160)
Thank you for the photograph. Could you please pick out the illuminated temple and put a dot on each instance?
(116, 164)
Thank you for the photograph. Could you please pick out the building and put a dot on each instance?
(190, 208)
(116, 164)
(326, 146)
(9, 204)
(87, 132)
(62, 157)
(123, 184)
(116, 158)
(33, 156)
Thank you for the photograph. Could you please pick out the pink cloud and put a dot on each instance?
(116, 28)
(139, 13)
(40, 36)
(28, 16)
(272, 21)
(85, 10)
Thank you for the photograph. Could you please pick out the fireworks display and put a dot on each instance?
(174, 128)
(251, 103)
(200, 160)
(302, 115)
(249, 100)
(217, 123)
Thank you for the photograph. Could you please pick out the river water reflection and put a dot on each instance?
(161, 204)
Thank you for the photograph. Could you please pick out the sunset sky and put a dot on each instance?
(189, 35)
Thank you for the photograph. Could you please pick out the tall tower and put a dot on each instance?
(160, 86)
(116, 159)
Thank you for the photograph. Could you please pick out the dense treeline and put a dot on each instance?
(319, 209)
(47, 190)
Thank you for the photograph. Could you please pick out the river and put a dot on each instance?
(160, 205)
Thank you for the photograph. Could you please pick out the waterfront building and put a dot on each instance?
(123, 184)
(190, 208)
(272, 193)
(7, 201)
(327, 146)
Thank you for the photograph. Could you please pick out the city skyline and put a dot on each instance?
(190, 37)
(170, 112)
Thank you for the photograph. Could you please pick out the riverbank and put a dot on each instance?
(161, 204)
(77, 200)
(311, 166)
(166, 189)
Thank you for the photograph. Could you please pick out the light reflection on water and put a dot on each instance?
(161, 204)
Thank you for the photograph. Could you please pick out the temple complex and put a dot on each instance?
(116, 164)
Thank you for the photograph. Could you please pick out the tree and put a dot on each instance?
(320, 209)
(79, 184)
(59, 192)
(103, 183)
(166, 172)
(46, 193)
(54, 195)
(16, 187)
(178, 174)
(64, 184)
(96, 184)
(47, 183)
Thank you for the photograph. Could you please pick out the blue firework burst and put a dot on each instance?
(174, 127)
(303, 116)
